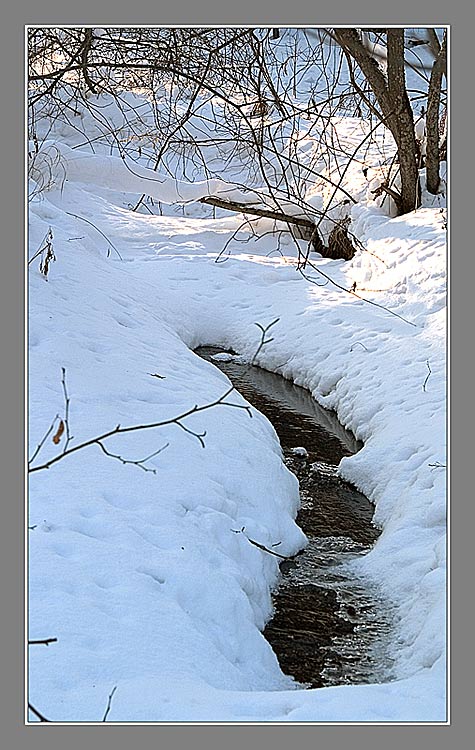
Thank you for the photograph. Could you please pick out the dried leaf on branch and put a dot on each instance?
(59, 432)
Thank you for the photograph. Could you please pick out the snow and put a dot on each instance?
(141, 575)
(223, 357)
(300, 451)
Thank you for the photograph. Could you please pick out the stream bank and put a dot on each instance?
(329, 626)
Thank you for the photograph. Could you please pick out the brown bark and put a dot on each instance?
(85, 52)
(339, 243)
(432, 119)
(393, 100)
(434, 42)
(348, 39)
(404, 133)
(267, 213)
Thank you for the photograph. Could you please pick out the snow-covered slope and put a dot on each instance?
(139, 574)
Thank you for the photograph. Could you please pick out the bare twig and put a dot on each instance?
(37, 713)
(140, 463)
(198, 435)
(43, 642)
(260, 546)
(247, 222)
(109, 703)
(43, 439)
(135, 428)
(66, 409)
(354, 293)
(47, 254)
(263, 340)
(98, 440)
(100, 232)
(265, 549)
(43, 245)
(63, 423)
(428, 376)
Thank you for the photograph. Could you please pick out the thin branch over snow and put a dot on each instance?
(260, 546)
(352, 291)
(427, 377)
(263, 340)
(43, 439)
(135, 428)
(100, 232)
(140, 463)
(66, 410)
(42, 642)
(109, 703)
(37, 713)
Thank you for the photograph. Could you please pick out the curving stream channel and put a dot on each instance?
(329, 627)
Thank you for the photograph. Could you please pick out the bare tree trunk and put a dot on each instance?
(84, 61)
(392, 98)
(434, 42)
(432, 119)
(403, 132)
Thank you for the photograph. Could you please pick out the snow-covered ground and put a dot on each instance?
(137, 573)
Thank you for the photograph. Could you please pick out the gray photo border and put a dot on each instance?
(12, 305)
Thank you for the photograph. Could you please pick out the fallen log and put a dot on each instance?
(250, 208)
(307, 229)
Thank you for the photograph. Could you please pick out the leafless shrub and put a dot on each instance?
(45, 170)
(237, 90)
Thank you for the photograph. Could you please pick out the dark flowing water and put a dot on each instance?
(329, 627)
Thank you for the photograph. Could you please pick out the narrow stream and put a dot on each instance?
(329, 627)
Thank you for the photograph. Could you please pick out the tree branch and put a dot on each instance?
(43, 440)
(66, 409)
(434, 42)
(109, 703)
(353, 292)
(258, 545)
(135, 428)
(37, 713)
(43, 642)
(140, 463)
(99, 230)
(263, 340)
(428, 376)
